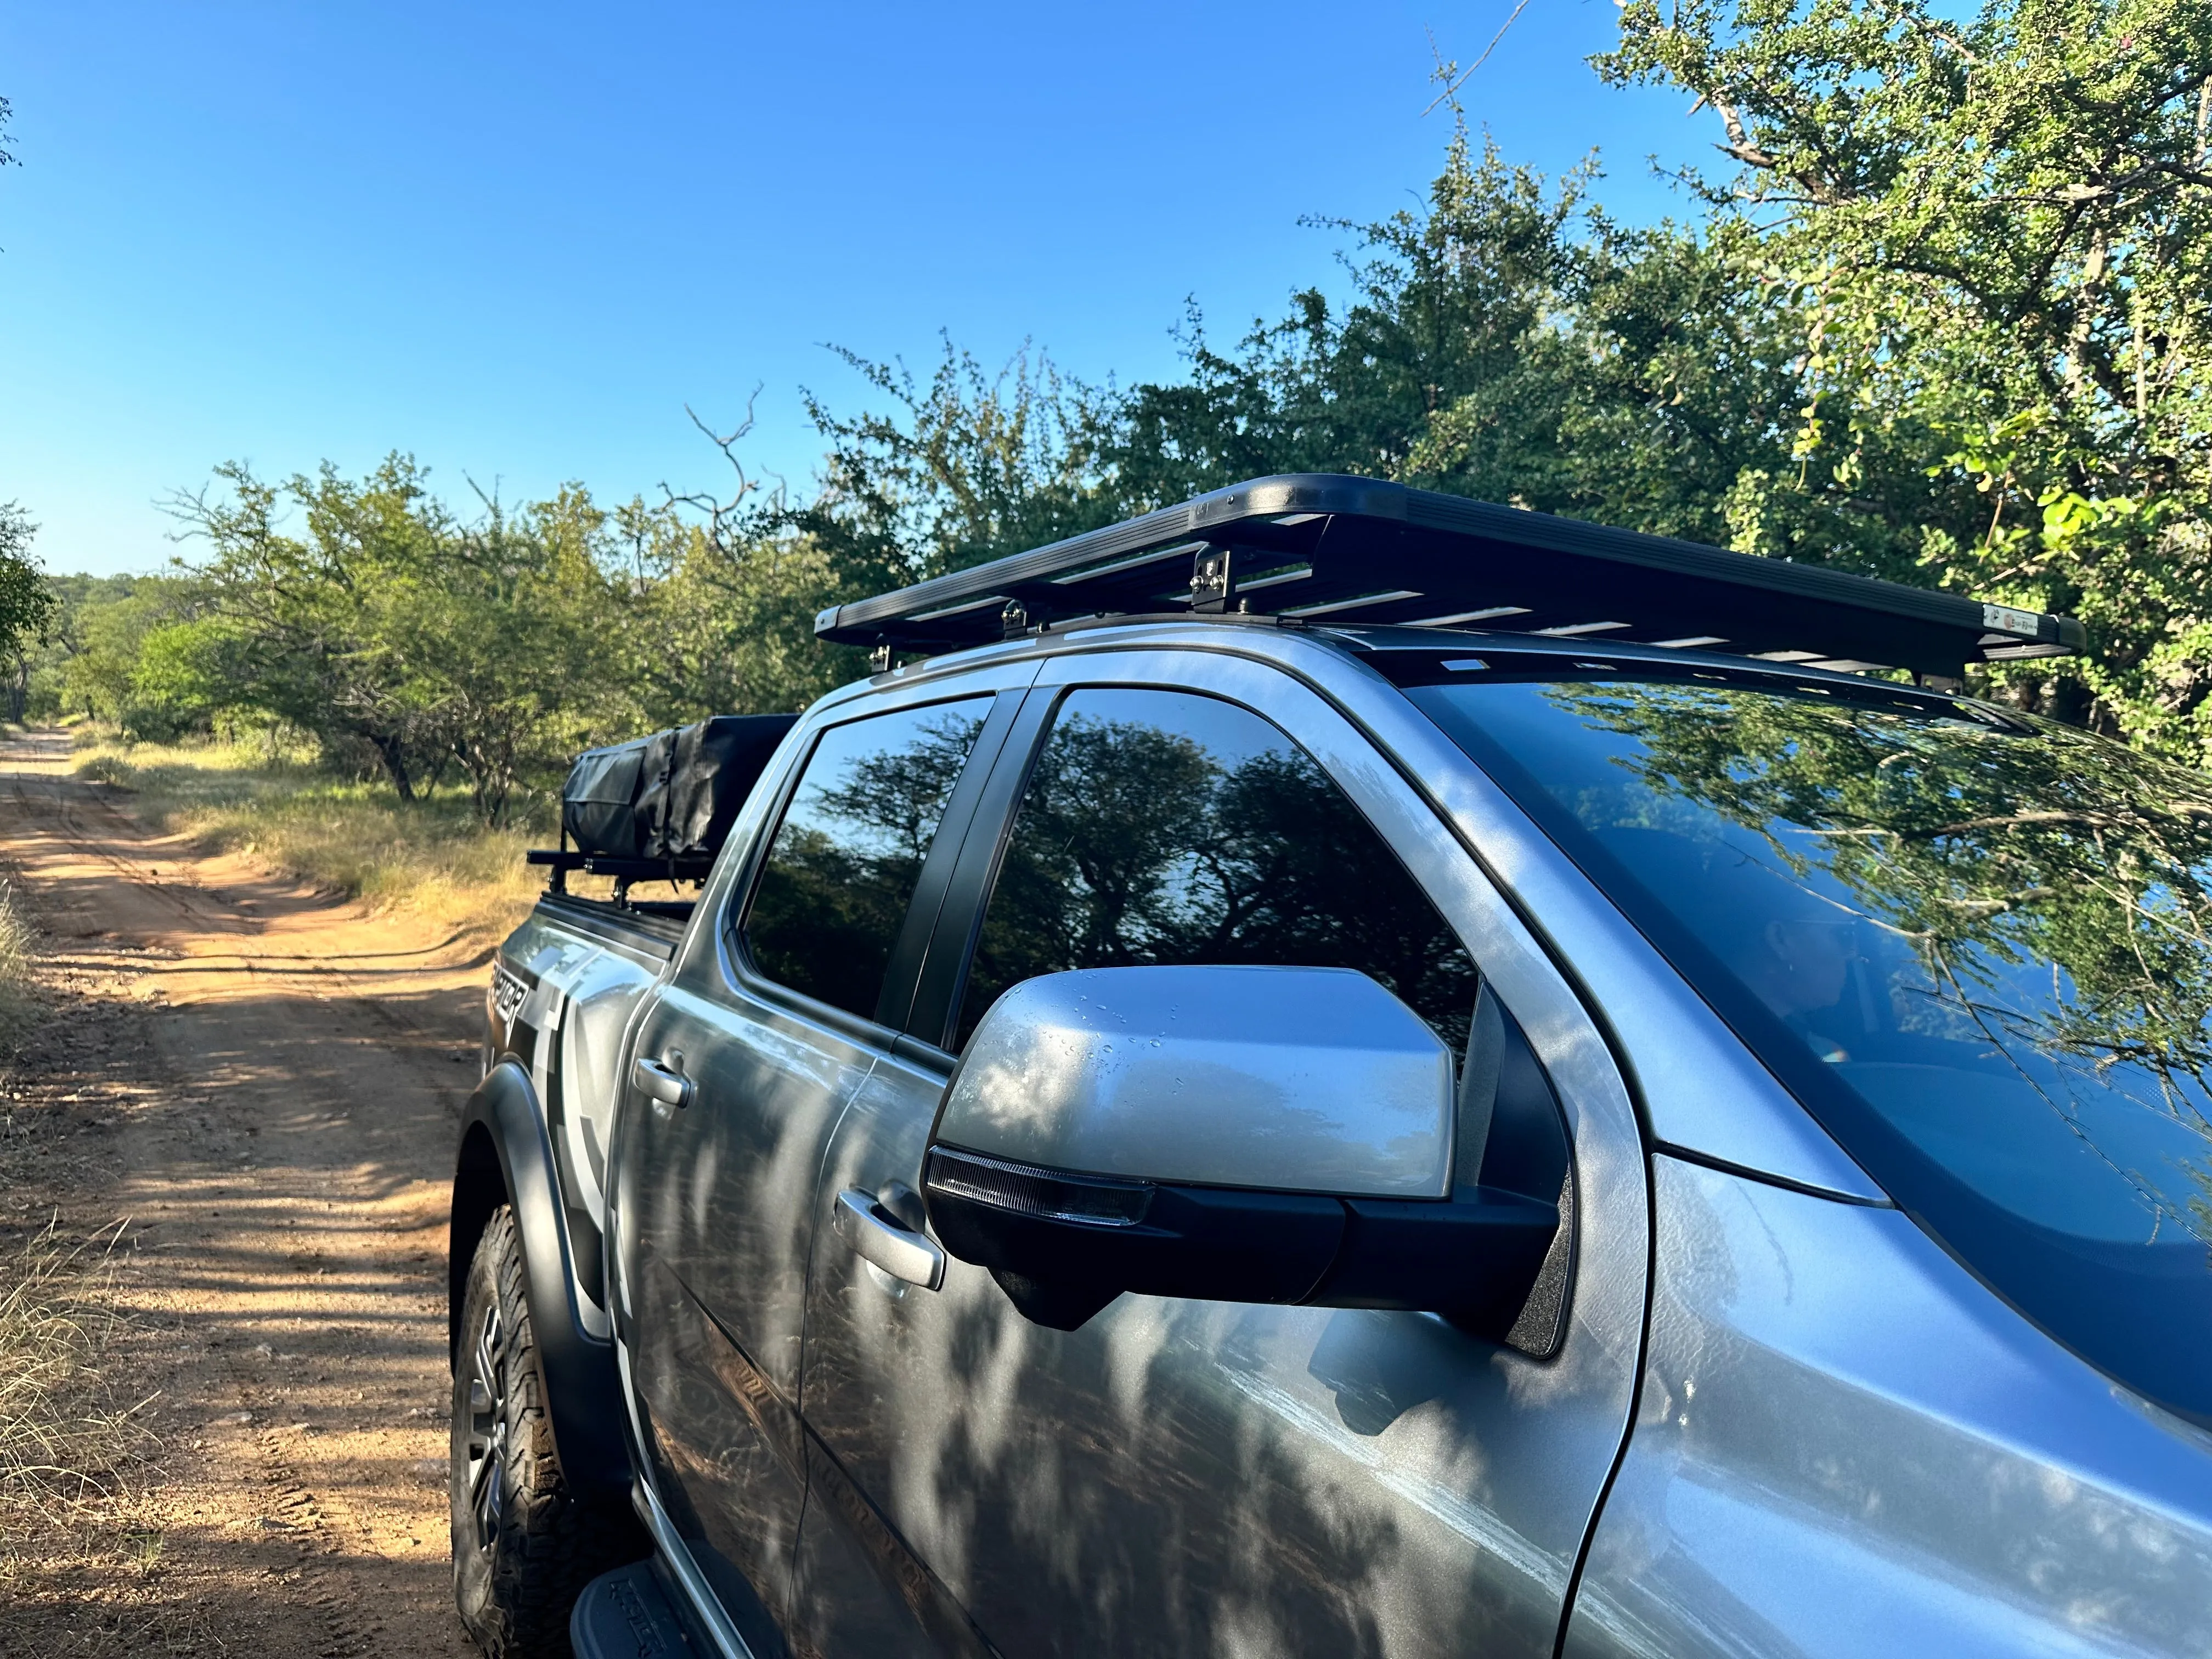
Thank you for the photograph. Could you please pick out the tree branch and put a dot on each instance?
(720, 515)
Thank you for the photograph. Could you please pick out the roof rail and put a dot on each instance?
(1347, 551)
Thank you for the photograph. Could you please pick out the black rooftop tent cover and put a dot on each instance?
(1345, 551)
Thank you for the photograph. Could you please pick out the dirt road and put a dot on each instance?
(265, 1081)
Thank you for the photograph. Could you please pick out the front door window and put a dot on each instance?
(1163, 828)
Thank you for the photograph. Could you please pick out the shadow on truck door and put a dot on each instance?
(774, 1014)
(1182, 1476)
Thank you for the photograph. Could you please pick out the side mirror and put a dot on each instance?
(1227, 1134)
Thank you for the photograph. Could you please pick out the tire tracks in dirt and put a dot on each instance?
(270, 1080)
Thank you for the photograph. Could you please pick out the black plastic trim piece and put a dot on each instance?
(1475, 1257)
(1062, 1243)
(1210, 1243)
(1706, 1160)
(1024, 1190)
(943, 976)
(629, 869)
(902, 972)
(583, 1388)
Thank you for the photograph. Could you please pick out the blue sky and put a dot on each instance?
(517, 240)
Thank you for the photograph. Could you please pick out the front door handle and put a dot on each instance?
(662, 1083)
(878, 1236)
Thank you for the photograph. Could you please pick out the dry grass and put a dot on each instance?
(68, 1440)
(428, 856)
(18, 1001)
(70, 1437)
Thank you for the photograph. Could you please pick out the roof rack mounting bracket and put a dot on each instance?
(1212, 580)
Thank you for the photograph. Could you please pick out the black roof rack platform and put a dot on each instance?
(1343, 550)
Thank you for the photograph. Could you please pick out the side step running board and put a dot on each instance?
(626, 1614)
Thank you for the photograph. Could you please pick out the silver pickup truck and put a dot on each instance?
(1333, 1070)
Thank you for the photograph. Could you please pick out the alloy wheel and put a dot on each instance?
(487, 1430)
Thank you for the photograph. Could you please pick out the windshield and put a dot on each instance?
(1978, 949)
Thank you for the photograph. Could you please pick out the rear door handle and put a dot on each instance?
(878, 1236)
(662, 1083)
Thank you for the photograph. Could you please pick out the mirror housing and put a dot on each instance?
(1232, 1134)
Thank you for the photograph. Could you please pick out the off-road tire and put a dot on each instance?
(523, 1548)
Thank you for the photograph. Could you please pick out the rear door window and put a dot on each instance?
(1165, 828)
(840, 876)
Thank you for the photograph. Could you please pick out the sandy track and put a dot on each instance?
(266, 1081)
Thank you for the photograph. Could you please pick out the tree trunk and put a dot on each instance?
(19, 693)
(490, 781)
(394, 755)
(2069, 700)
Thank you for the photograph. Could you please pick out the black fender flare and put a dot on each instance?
(505, 1158)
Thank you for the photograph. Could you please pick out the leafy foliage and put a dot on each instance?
(718, 616)
(1992, 237)
(969, 466)
(26, 604)
(1942, 317)
(408, 641)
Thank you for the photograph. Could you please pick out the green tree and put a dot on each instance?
(1945, 318)
(310, 611)
(1506, 340)
(74, 595)
(27, 603)
(1991, 234)
(182, 677)
(961, 470)
(390, 626)
(719, 612)
(1452, 314)
(105, 636)
(499, 641)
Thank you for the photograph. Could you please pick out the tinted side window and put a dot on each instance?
(834, 891)
(1163, 827)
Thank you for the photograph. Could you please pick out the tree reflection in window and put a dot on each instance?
(2031, 905)
(1979, 949)
(1162, 827)
(834, 891)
